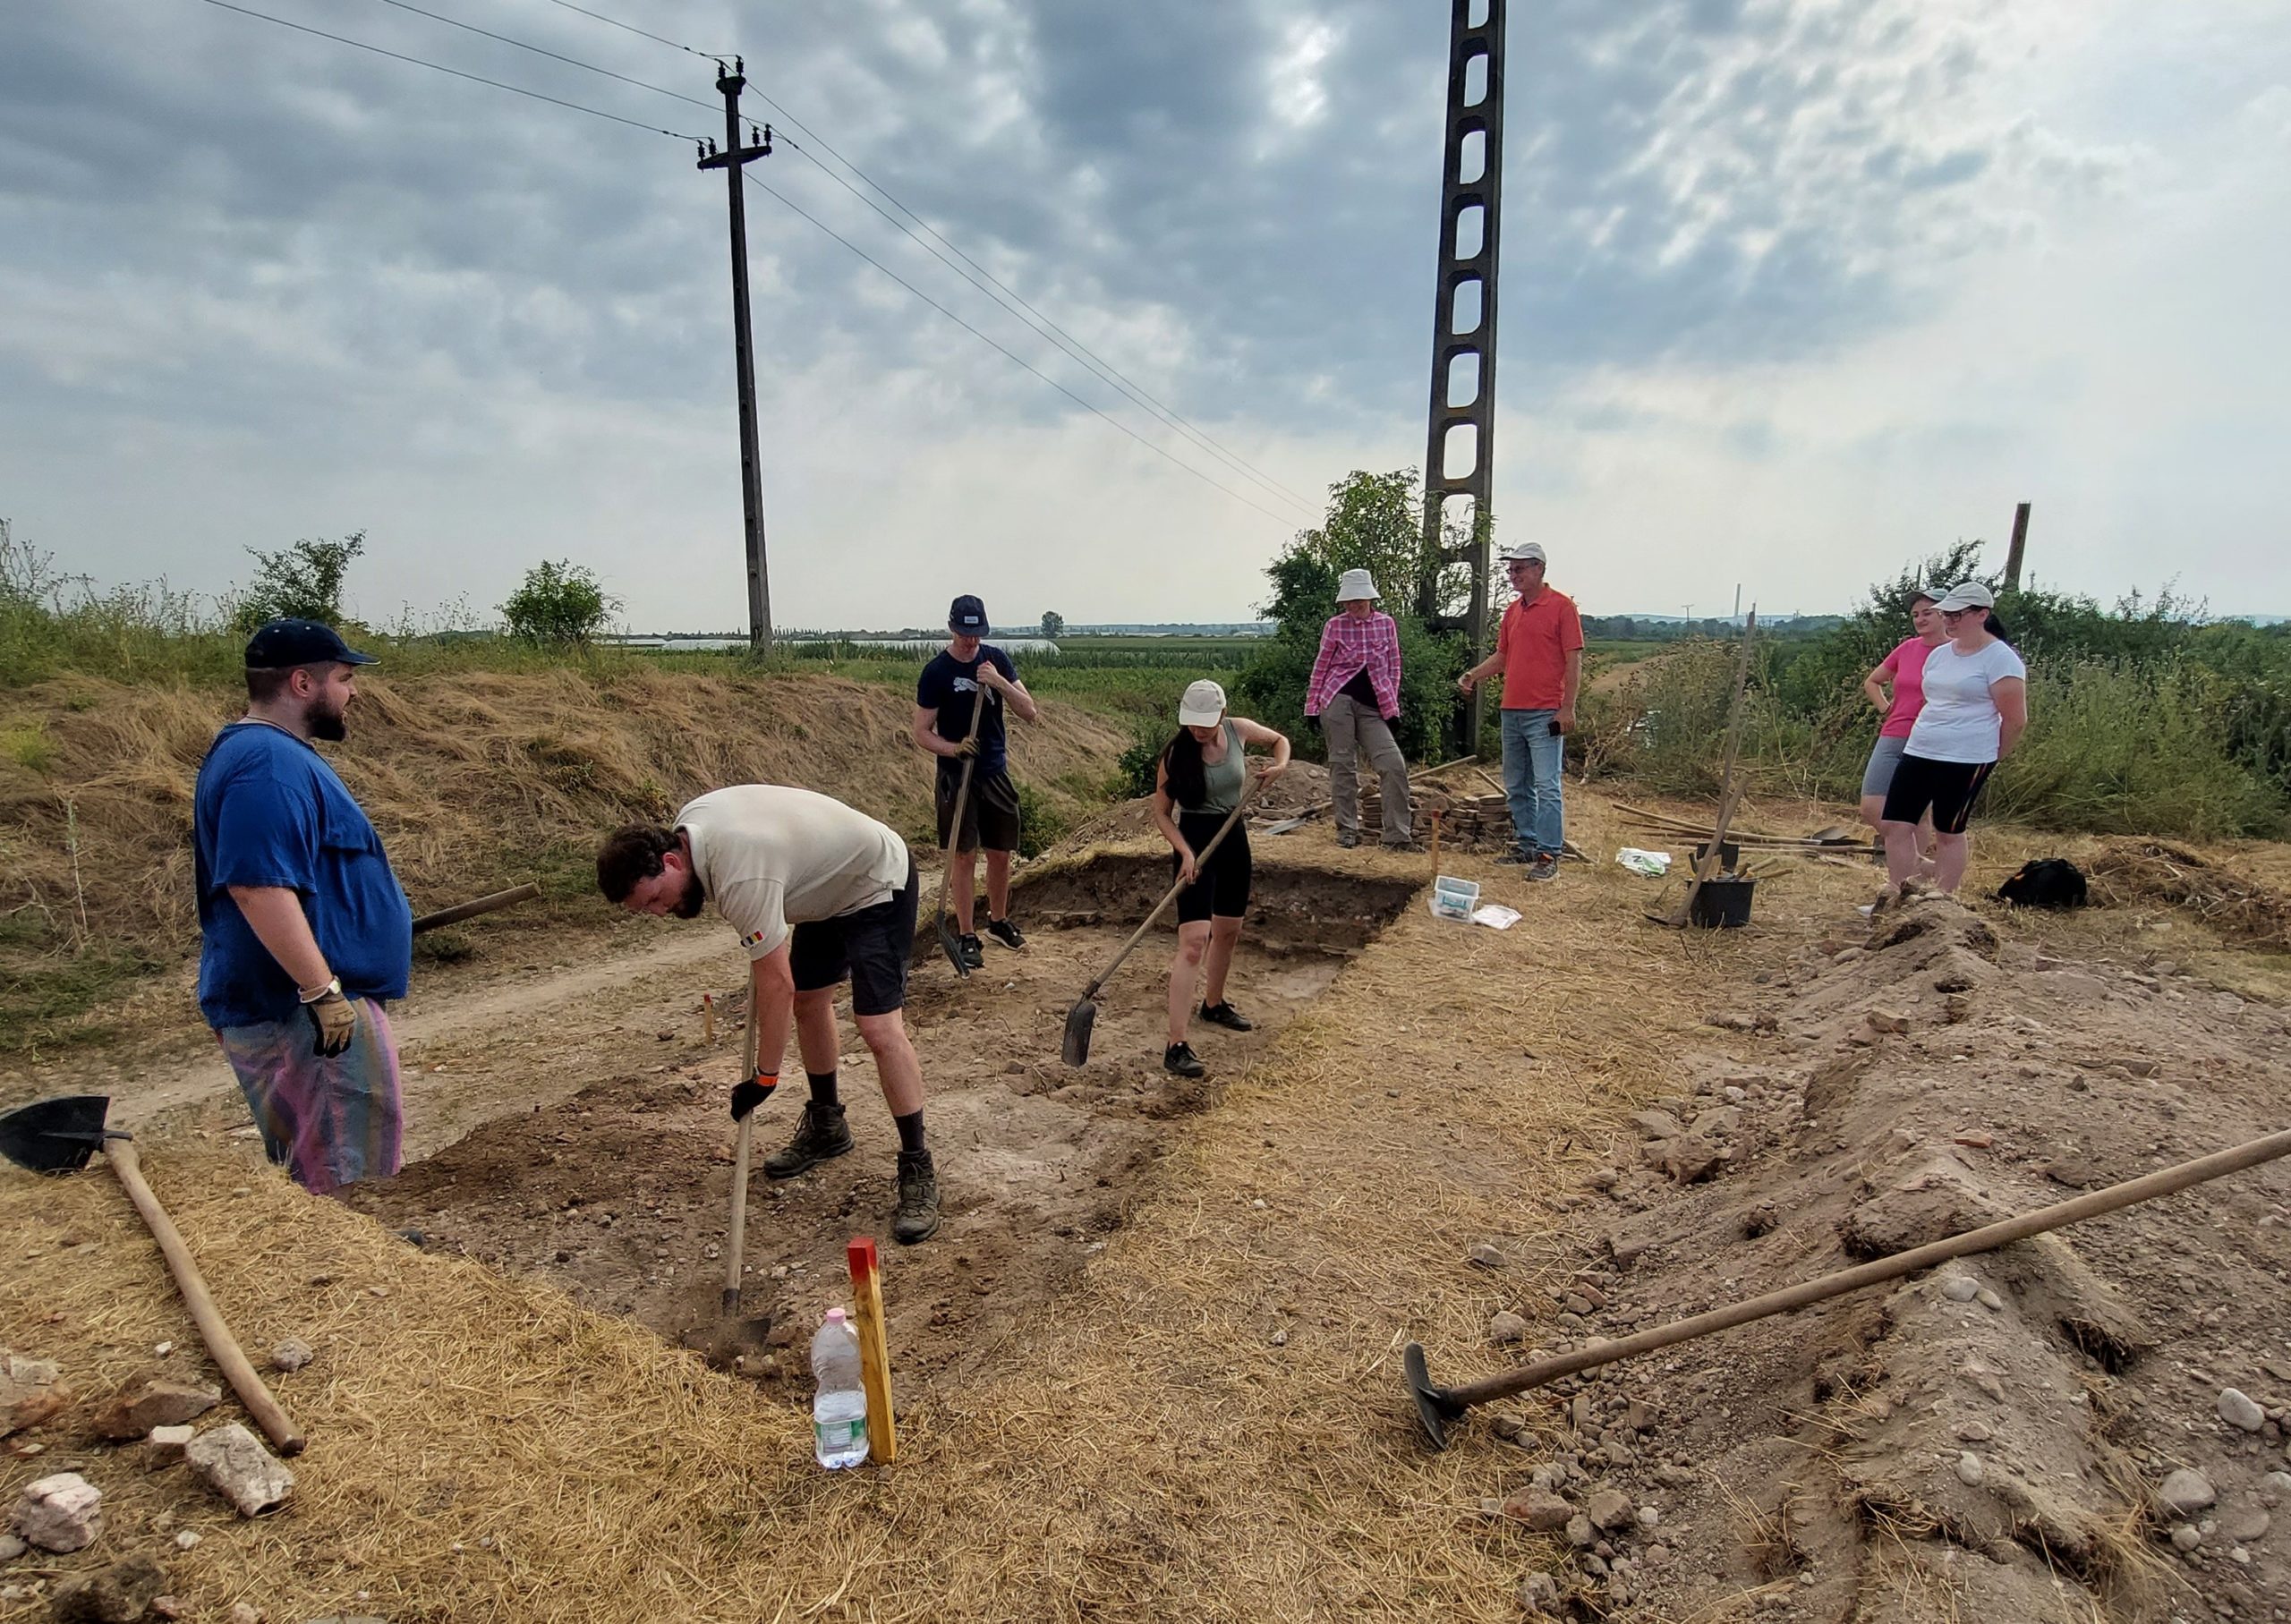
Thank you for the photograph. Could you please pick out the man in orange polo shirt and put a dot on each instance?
(1539, 650)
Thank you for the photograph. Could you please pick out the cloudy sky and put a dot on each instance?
(1793, 291)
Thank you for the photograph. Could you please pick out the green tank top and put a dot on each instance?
(1222, 782)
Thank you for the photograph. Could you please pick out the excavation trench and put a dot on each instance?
(620, 1192)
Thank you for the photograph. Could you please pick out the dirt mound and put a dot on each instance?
(1991, 1438)
(475, 781)
(2133, 871)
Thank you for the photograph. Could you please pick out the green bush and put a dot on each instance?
(302, 581)
(1041, 825)
(560, 604)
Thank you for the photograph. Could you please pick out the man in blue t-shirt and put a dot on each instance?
(968, 673)
(305, 930)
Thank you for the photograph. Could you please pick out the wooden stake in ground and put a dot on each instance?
(874, 1350)
(1729, 793)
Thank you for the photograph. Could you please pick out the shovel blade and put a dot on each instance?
(951, 945)
(1079, 1020)
(54, 1135)
(1434, 1408)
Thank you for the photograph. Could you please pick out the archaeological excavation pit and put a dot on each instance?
(620, 1193)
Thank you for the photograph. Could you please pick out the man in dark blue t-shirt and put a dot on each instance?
(305, 930)
(968, 673)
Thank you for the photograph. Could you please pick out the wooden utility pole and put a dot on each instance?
(729, 161)
(2019, 546)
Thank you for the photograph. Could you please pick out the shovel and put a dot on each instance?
(58, 1135)
(1084, 1016)
(732, 1336)
(949, 942)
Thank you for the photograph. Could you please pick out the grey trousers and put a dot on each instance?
(1353, 729)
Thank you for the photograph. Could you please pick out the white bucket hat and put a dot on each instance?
(1203, 706)
(1356, 585)
(1967, 595)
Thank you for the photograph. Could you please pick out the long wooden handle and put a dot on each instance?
(221, 1344)
(1200, 861)
(2165, 1181)
(471, 909)
(962, 797)
(735, 1238)
(1729, 792)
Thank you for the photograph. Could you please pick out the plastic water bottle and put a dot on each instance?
(839, 1407)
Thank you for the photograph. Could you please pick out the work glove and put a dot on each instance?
(968, 747)
(746, 1096)
(335, 1019)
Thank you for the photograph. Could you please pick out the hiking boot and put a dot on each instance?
(972, 951)
(1545, 867)
(1347, 838)
(1005, 933)
(1226, 1015)
(821, 1134)
(1180, 1058)
(918, 1217)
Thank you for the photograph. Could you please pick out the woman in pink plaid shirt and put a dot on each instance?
(1354, 698)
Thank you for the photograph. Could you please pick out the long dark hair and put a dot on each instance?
(1996, 628)
(1188, 774)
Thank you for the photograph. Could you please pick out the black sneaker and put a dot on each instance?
(1180, 1059)
(917, 1218)
(1545, 867)
(1225, 1015)
(1347, 839)
(1516, 859)
(821, 1134)
(1005, 933)
(972, 951)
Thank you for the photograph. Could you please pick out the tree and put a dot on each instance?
(302, 581)
(1053, 624)
(560, 604)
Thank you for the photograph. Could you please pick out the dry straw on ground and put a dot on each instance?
(2131, 871)
(1211, 1428)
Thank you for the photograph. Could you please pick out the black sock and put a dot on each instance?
(822, 1088)
(910, 1130)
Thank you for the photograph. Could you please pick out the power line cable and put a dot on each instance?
(407, 5)
(439, 67)
(716, 57)
(1048, 328)
(985, 339)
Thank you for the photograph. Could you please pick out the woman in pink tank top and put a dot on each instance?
(1903, 672)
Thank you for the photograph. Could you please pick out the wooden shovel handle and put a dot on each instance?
(1170, 896)
(735, 1238)
(221, 1344)
(962, 798)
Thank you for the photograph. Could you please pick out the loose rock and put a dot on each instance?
(1690, 1157)
(120, 1594)
(1609, 1509)
(2186, 1537)
(1960, 1288)
(233, 1463)
(1579, 1532)
(165, 1445)
(30, 1392)
(1539, 1509)
(1657, 1123)
(2186, 1491)
(1486, 1256)
(291, 1355)
(1507, 1327)
(1969, 1469)
(61, 1513)
(12, 1546)
(2238, 1410)
(153, 1403)
(1539, 1593)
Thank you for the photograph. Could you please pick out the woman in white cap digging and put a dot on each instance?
(1354, 694)
(1976, 708)
(1196, 783)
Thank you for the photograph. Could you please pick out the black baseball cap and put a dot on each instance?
(278, 644)
(968, 614)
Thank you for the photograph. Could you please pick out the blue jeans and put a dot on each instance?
(1532, 757)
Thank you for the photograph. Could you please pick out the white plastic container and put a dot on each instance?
(1453, 898)
(839, 1400)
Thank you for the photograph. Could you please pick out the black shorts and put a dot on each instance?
(1949, 787)
(990, 817)
(871, 946)
(1221, 888)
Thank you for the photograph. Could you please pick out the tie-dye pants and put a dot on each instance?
(330, 1122)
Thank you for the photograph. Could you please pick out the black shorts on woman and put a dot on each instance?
(1949, 787)
(1220, 886)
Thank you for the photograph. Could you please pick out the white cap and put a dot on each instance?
(1356, 585)
(1967, 595)
(1203, 706)
(1523, 552)
(835, 1316)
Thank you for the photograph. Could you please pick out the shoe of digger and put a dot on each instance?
(974, 953)
(1005, 933)
(1347, 838)
(917, 1218)
(821, 1134)
(1180, 1058)
(1226, 1015)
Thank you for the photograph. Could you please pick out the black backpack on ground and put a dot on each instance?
(2045, 882)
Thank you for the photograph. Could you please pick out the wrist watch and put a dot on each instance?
(332, 988)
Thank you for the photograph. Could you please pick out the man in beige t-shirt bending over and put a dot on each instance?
(818, 892)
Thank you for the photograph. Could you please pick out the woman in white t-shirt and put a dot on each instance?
(1976, 708)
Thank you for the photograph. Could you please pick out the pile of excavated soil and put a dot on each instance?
(2088, 1425)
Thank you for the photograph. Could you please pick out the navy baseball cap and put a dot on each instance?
(278, 644)
(968, 614)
